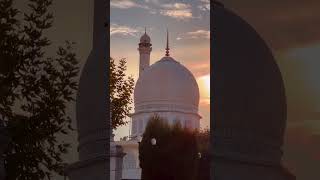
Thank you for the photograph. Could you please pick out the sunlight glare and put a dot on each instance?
(204, 85)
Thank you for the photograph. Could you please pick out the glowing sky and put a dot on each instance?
(289, 29)
(189, 28)
(289, 26)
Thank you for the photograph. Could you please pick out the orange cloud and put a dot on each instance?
(199, 68)
(123, 30)
(126, 4)
(179, 11)
(198, 34)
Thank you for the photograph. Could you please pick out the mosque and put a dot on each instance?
(166, 88)
(249, 108)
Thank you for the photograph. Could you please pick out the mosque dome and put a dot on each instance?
(167, 84)
(145, 38)
(249, 116)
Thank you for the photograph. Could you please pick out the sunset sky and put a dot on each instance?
(188, 23)
(290, 27)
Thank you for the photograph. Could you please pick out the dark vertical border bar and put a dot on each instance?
(106, 76)
(212, 46)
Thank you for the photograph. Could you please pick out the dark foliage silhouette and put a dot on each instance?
(121, 89)
(175, 155)
(35, 91)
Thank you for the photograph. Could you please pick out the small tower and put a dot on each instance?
(144, 50)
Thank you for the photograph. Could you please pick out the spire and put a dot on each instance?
(167, 48)
(145, 30)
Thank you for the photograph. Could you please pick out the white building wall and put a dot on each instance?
(130, 168)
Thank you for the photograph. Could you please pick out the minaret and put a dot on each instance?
(144, 50)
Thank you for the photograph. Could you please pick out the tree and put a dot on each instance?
(37, 91)
(175, 155)
(121, 89)
(203, 142)
(9, 52)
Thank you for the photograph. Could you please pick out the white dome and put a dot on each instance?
(166, 85)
